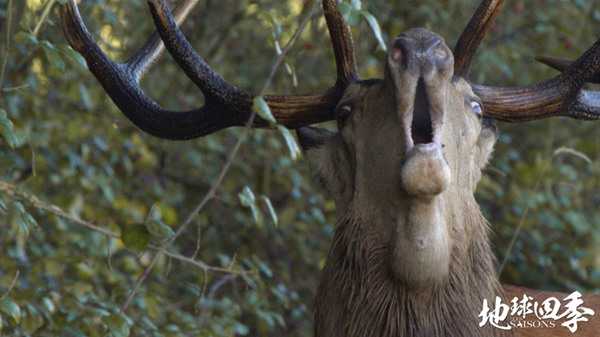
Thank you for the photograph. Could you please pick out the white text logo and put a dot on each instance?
(541, 315)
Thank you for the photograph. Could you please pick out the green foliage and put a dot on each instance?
(352, 13)
(11, 310)
(136, 236)
(68, 154)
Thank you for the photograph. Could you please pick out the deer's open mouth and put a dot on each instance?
(425, 122)
(421, 126)
(425, 171)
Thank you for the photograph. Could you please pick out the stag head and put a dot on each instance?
(406, 147)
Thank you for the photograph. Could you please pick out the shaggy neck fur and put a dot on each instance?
(360, 295)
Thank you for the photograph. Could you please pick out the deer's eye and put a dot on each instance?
(476, 107)
(342, 114)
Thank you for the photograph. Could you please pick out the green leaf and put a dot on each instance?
(291, 70)
(71, 54)
(11, 310)
(24, 38)
(53, 56)
(356, 4)
(272, 212)
(29, 220)
(85, 96)
(18, 207)
(276, 28)
(135, 236)
(117, 325)
(240, 329)
(262, 109)
(265, 268)
(247, 199)
(277, 46)
(375, 28)
(31, 320)
(8, 133)
(292, 145)
(344, 8)
(3, 207)
(350, 13)
(48, 305)
(21, 224)
(6, 124)
(158, 229)
(7, 129)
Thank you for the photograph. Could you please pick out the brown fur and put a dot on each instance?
(359, 295)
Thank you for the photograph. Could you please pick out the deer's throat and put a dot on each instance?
(422, 246)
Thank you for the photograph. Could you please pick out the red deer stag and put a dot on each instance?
(405, 261)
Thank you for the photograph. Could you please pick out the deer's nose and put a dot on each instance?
(421, 51)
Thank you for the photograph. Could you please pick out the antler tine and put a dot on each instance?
(143, 60)
(343, 46)
(291, 111)
(473, 34)
(120, 82)
(559, 96)
(562, 64)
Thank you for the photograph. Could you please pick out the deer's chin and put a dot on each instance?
(425, 172)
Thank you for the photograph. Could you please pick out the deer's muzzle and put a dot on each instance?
(420, 65)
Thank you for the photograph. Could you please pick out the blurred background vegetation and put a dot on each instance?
(67, 153)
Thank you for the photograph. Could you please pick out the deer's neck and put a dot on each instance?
(360, 293)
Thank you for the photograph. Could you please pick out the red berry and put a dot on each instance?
(568, 45)
(518, 8)
(495, 29)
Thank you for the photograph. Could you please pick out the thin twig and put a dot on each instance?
(45, 14)
(198, 242)
(52, 209)
(523, 216)
(211, 296)
(199, 264)
(138, 283)
(14, 88)
(57, 211)
(12, 285)
(289, 45)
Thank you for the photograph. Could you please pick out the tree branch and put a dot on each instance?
(59, 212)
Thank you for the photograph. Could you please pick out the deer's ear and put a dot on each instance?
(485, 142)
(328, 158)
(311, 137)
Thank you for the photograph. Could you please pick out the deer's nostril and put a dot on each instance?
(397, 54)
(441, 52)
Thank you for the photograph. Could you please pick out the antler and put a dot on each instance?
(559, 96)
(473, 34)
(225, 105)
(562, 64)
